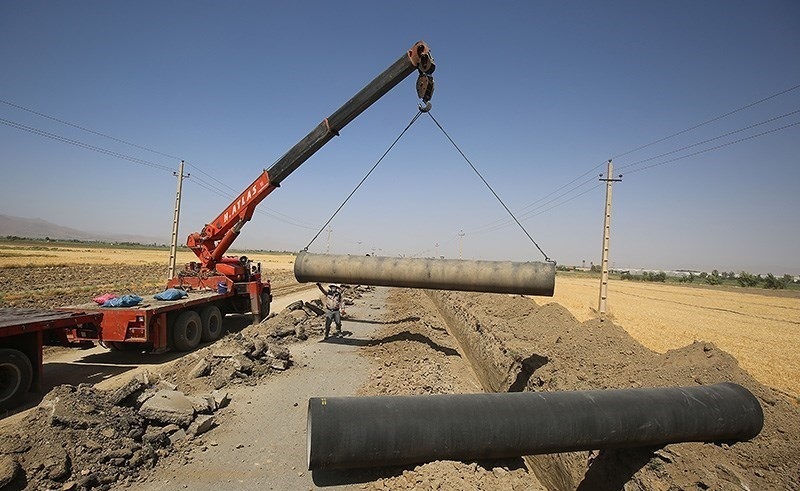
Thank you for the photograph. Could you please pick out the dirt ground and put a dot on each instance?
(445, 342)
(759, 327)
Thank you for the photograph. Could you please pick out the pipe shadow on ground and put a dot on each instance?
(401, 336)
(341, 477)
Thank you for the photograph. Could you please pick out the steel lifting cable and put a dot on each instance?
(546, 258)
(413, 120)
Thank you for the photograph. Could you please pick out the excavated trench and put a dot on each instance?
(499, 368)
(513, 345)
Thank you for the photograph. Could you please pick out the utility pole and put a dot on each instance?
(460, 244)
(606, 238)
(173, 247)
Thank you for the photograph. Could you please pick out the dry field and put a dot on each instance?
(12, 255)
(760, 328)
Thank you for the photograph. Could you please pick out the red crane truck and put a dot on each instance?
(216, 284)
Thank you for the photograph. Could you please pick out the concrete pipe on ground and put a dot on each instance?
(353, 432)
(525, 278)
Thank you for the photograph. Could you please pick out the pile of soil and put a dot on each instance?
(521, 345)
(515, 344)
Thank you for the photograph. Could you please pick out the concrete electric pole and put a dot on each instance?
(601, 308)
(173, 247)
(461, 244)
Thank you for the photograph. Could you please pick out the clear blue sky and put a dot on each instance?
(535, 93)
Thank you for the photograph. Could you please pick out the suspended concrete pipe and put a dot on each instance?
(352, 432)
(529, 278)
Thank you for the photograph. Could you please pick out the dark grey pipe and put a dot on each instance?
(531, 278)
(351, 432)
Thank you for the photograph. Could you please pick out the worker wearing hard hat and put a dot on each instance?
(333, 306)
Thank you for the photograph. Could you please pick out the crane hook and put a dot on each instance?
(426, 107)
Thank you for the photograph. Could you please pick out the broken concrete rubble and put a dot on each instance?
(85, 438)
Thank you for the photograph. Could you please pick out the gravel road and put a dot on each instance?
(262, 442)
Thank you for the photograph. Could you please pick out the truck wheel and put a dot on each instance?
(211, 320)
(266, 300)
(187, 331)
(16, 375)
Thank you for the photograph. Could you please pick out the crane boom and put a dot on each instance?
(213, 241)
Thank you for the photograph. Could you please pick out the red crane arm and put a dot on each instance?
(216, 237)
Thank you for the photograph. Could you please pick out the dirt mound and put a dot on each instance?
(552, 351)
(458, 475)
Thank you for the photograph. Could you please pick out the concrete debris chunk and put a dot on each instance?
(295, 306)
(165, 385)
(201, 424)
(200, 369)
(259, 347)
(202, 405)
(279, 352)
(221, 398)
(156, 436)
(177, 436)
(243, 364)
(280, 365)
(317, 309)
(168, 406)
(120, 394)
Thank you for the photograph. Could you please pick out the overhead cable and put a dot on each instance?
(88, 130)
(740, 140)
(626, 166)
(80, 144)
(742, 108)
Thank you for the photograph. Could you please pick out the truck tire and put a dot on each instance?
(187, 331)
(211, 320)
(266, 300)
(16, 375)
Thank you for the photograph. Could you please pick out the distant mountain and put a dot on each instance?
(36, 228)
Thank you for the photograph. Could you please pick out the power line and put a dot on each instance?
(483, 230)
(740, 140)
(86, 146)
(746, 106)
(710, 139)
(501, 223)
(141, 147)
(208, 186)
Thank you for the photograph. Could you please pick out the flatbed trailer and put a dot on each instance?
(23, 333)
(162, 325)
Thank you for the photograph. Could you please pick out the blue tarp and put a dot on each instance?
(123, 301)
(171, 294)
